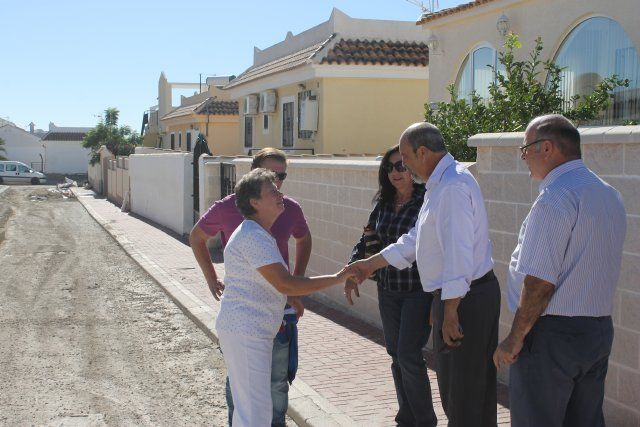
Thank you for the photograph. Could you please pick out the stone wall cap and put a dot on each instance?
(506, 139)
(588, 135)
(161, 155)
(330, 163)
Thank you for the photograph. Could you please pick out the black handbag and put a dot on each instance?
(370, 238)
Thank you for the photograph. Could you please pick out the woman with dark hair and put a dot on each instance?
(404, 306)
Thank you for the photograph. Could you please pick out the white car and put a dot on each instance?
(17, 172)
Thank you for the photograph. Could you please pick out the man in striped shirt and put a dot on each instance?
(562, 279)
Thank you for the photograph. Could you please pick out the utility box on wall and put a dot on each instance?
(250, 105)
(268, 101)
(309, 114)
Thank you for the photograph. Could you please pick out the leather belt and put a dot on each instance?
(490, 276)
(486, 278)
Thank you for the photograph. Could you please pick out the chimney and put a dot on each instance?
(32, 127)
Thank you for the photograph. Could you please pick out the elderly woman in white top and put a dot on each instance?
(257, 285)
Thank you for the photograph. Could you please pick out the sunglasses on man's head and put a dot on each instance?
(399, 166)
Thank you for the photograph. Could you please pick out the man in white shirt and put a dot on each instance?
(450, 244)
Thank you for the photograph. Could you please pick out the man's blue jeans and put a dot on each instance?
(279, 384)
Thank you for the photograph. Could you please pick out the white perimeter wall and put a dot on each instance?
(162, 188)
(66, 157)
(21, 145)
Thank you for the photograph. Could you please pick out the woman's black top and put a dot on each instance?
(390, 226)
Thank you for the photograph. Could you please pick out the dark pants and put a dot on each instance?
(558, 379)
(405, 321)
(466, 374)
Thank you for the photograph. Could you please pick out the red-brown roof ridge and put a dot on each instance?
(377, 52)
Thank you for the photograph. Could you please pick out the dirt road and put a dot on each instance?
(87, 338)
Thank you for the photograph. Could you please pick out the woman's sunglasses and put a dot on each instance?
(399, 166)
(281, 176)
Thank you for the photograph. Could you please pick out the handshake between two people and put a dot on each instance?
(358, 271)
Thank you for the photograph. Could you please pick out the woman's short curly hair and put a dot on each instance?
(249, 187)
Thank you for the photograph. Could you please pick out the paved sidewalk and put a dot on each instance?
(344, 377)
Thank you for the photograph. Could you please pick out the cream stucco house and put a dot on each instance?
(344, 86)
(592, 39)
(209, 112)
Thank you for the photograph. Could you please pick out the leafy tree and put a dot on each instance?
(120, 140)
(2, 150)
(515, 98)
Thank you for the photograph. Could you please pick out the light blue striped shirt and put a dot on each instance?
(572, 238)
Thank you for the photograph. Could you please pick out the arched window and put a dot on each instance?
(476, 73)
(595, 49)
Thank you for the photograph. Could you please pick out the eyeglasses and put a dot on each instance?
(523, 149)
(280, 175)
(399, 166)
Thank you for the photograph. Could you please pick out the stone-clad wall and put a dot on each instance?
(614, 154)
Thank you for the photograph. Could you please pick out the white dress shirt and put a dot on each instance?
(573, 239)
(450, 241)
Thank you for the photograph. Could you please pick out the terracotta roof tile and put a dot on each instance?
(450, 11)
(377, 52)
(211, 104)
(364, 52)
(64, 136)
(216, 107)
(185, 110)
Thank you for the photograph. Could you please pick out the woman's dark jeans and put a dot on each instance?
(405, 320)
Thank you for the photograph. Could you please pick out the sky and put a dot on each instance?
(67, 61)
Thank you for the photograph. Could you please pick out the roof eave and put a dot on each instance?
(463, 11)
(257, 79)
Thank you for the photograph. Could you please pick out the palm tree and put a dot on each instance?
(2, 150)
(120, 140)
(111, 117)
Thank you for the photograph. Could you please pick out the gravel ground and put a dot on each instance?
(87, 337)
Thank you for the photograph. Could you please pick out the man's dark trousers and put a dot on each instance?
(558, 379)
(466, 374)
(405, 321)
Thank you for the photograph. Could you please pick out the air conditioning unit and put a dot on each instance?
(250, 105)
(268, 101)
(218, 80)
(309, 113)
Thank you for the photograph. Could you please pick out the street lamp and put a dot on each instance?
(432, 43)
(503, 25)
